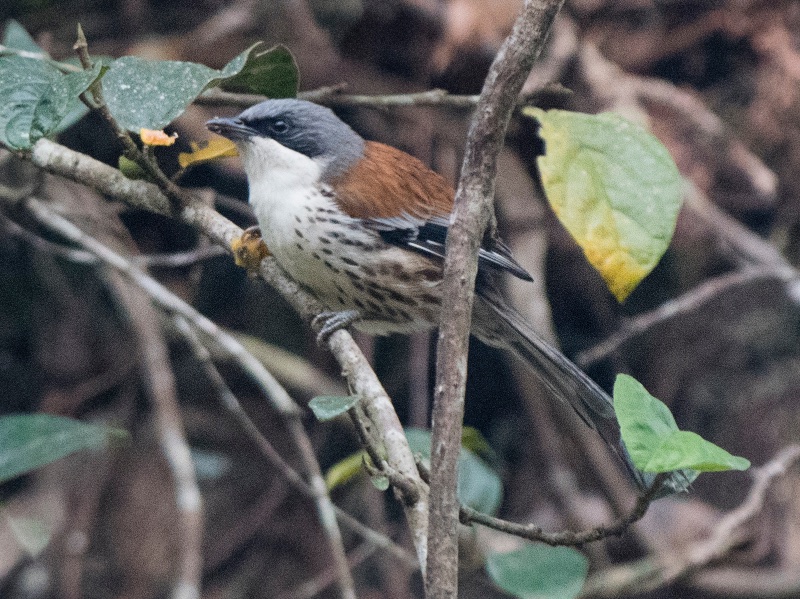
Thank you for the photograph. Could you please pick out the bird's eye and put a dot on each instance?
(280, 126)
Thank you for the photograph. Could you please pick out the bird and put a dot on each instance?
(362, 226)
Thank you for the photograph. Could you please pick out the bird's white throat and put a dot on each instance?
(276, 169)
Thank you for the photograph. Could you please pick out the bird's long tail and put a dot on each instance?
(497, 324)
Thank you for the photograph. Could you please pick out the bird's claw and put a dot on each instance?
(328, 323)
(249, 249)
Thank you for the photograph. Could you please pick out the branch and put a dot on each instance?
(78, 167)
(179, 259)
(333, 96)
(378, 408)
(568, 538)
(728, 532)
(759, 258)
(690, 301)
(472, 212)
(235, 408)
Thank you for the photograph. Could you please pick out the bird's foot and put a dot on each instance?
(249, 249)
(328, 323)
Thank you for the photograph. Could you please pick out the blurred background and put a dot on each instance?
(713, 331)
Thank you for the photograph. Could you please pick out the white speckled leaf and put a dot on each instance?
(35, 98)
(149, 94)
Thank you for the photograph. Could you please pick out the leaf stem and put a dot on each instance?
(93, 98)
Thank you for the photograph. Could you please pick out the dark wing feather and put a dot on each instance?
(429, 236)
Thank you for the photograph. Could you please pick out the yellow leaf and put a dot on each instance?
(345, 470)
(218, 147)
(152, 137)
(614, 187)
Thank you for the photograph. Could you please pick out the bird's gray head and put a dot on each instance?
(304, 127)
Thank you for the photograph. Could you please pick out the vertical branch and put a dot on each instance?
(473, 211)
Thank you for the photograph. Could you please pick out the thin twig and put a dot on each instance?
(728, 531)
(333, 96)
(568, 538)
(745, 245)
(172, 439)
(690, 301)
(72, 254)
(324, 505)
(472, 213)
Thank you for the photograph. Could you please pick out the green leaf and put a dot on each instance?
(57, 104)
(380, 482)
(29, 441)
(272, 72)
(653, 439)
(614, 187)
(328, 407)
(35, 98)
(131, 169)
(75, 112)
(539, 572)
(149, 94)
(479, 487)
(17, 38)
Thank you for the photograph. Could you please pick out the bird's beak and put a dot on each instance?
(232, 128)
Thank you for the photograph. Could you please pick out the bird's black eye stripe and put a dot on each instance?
(271, 127)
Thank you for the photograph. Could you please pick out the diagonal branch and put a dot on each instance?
(179, 454)
(159, 384)
(62, 161)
